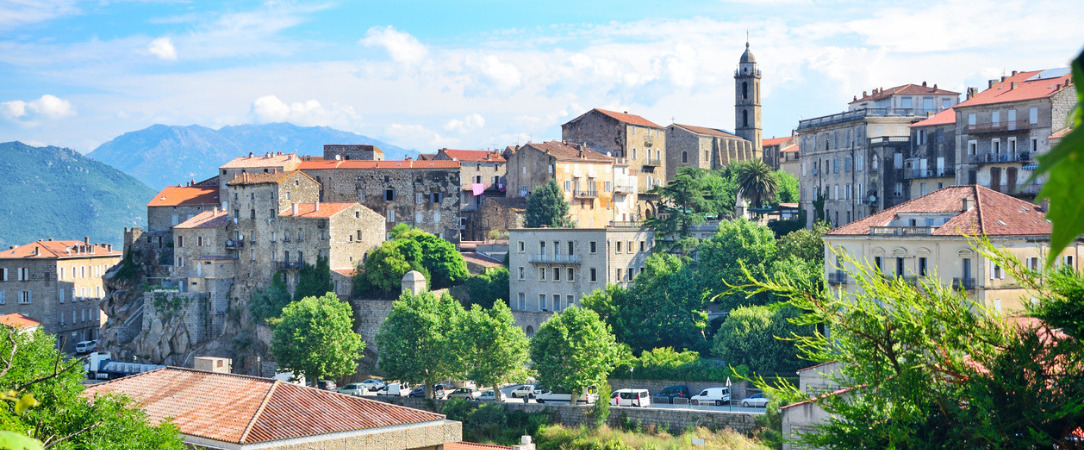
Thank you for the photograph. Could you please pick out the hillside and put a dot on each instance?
(163, 155)
(57, 193)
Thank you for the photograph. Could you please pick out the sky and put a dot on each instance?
(485, 74)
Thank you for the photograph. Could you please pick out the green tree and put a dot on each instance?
(787, 188)
(439, 257)
(756, 182)
(489, 288)
(762, 339)
(735, 243)
(805, 244)
(31, 366)
(269, 301)
(574, 350)
(411, 249)
(546, 206)
(680, 206)
(417, 340)
(494, 350)
(313, 280)
(315, 337)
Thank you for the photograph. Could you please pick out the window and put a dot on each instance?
(1069, 261)
(521, 246)
(522, 301)
(521, 273)
(642, 245)
(62, 318)
(568, 300)
(684, 157)
(609, 186)
(922, 266)
(877, 264)
(946, 103)
(60, 295)
(835, 165)
(1033, 115)
(542, 301)
(418, 217)
(897, 160)
(899, 267)
(541, 247)
(389, 195)
(556, 302)
(570, 248)
(873, 162)
(1034, 145)
(4, 271)
(972, 147)
(419, 197)
(180, 241)
(556, 274)
(541, 274)
(619, 273)
(995, 117)
(593, 275)
(847, 164)
(971, 120)
(618, 249)
(25, 297)
(858, 163)
(571, 274)
(3, 301)
(1032, 264)
(906, 102)
(629, 247)
(996, 273)
(391, 215)
(436, 197)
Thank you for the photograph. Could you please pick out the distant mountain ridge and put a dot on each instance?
(163, 155)
(52, 192)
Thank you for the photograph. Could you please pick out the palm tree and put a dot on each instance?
(756, 182)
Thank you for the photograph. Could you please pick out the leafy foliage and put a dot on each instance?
(757, 182)
(574, 350)
(268, 302)
(493, 349)
(489, 288)
(417, 340)
(315, 337)
(315, 280)
(546, 206)
(410, 249)
(804, 244)
(668, 364)
(787, 188)
(762, 339)
(735, 244)
(493, 422)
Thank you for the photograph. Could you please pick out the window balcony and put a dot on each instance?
(837, 278)
(585, 194)
(235, 244)
(1018, 189)
(653, 162)
(999, 127)
(901, 231)
(963, 284)
(624, 187)
(929, 173)
(555, 259)
(994, 158)
(290, 265)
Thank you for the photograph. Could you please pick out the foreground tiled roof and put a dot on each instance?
(628, 118)
(473, 446)
(260, 161)
(1004, 92)
(248, 179)
(17, 320)
(906, 89)
(564, 151)
(992, 214)
(942, 118)
(1061, 133)
(707, 131)
(310, 211)
(473, 155)
(244, 410)
(58, 249)
(206, 219)
(353, 164)
(186, 196)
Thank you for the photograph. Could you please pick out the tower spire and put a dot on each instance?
(747, 39)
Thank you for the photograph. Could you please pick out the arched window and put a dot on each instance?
(684, 157)
(745, 118)
(744, 90)
(633, 153)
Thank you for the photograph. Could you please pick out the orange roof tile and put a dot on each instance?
(186, 196)
(473, 155)
(1061, 133)
(564, 151)
(243, 409)
(310, 211)
(17, 320)
(288, 161)
(906, 89)
(993, 214)
(628, 118)
(57, 249)
(206, 219)
(353, 164)
(942, 118)
(775, 141)
(789, 149)
(346, 272)
(248, 179)
(1004, 92)
(473, 446)
(707, 131)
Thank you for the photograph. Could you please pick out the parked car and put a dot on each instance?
(439, 391)
(356, 389)
(561, 395)
(718, 396)
(672, 392)
(84, 347)
(326, 385)
(487, 395)
(524, 391)
(630, 397)
(418, 392)
(395, 388)
(468, 393)
(373, 384)
(757, 401)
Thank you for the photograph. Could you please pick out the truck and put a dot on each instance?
(101, 366)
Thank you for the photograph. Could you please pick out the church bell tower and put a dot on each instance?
(747, 100)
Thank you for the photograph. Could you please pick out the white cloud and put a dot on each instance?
(163, 49)
(402, 47)
(418, 136)
(14, 13)
(270, 109)
(49, 107)
(13, 109)
(467, 124)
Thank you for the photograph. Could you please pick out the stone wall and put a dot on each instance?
(424, 436)
(173, 323)
(359, 152)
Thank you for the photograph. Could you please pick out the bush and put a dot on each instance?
(668, 364)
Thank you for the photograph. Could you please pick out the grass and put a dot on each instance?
(558, 437)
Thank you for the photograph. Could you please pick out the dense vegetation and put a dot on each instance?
(381, 274)
(315, 337)
(546, 207)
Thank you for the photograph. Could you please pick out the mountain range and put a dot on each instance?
(163, 155)
(52, 192)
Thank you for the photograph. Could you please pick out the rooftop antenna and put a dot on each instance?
(746, 38)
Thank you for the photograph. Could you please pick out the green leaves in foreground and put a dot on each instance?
(1064, 164)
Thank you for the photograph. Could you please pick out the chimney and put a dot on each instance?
(990, 84)
(86, 240)
(338, 157)
(1015, 72)
(249, 154)
(864, 94)
(1004, 77)
(524, 444)
(967, 203)
(971, 92)
(316, 206)
(293, 208)
(935, 86)
(923, 83)
(1012, 86)
(35, 250)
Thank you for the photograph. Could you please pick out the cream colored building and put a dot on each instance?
(928, 237)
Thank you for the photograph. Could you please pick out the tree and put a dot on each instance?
(411, 249)
(489, 288)
(756, 182)
(805, 244)
(493, 348)
(31, 368)
(315, 338)
(761, 338)
(313, 280)
(439, 257)
(417, 340)
(546, 206)
(268, 302)
(735, 243)
(787, 188)
(680, 206)
(574, 350)
(1063, 166)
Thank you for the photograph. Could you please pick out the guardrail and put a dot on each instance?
(290, 265)
(991, 158)
(996, 127)
(901, 231)
(929, 173)
(585, 194)
(653, 162)
(838, 277)
(555, 259)
(967, 284)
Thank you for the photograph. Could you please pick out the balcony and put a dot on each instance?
(585, 194)
(290, 265)
(838, 277)
(993, 158)
(963, 284)
(554, 259)
(1018, 189)
(653, 162)
(999, 127)
(929, 173)
(890, 139)
(861, 114)
(235, 244)
(901, 231)
(624, 187)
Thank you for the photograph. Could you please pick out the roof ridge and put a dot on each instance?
(978, 210)
(255, 417)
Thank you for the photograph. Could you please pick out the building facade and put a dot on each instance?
(747, 100)
(704, 148)
(782, 154)
(353, 152)
(252, 165)
(59, 284)
(931, 164)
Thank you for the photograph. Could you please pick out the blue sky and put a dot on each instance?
(485, 74)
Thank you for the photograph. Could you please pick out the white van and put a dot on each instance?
(717, 396)
(630, 397)
(561, 395)
(83, 347)
(397, 389)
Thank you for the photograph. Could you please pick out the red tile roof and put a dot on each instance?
(628, 118)
(563, 151)
(473, 155)
(907, 89)
(310, 211)
(353, 164)
(17, 320)
(57, 249)
(288, 161)
(248, 179)
(245, 410)
(707, 131)
(349, 273)
(942, 118)
(789, 149)
(1004, 92)
(186, 196)
(473, 446)
(775, 141)
(206, 219)
(1061, 133)
(992, 214)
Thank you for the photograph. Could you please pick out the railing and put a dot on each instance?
(647, 143)
(889, 139)
(290, 265)
(996, 127)
(625, 223)
(929, 173)
(901, 231)
(585, 194)
(624, 187)
(837, 277)
(235, 244)
(1025, 189)
(555, 259)
(653, 162)
(966, 284)
(990, 158)
(862, 113)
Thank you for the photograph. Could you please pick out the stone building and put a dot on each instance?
(598, 188)
(551, 269)
(1001, 131)
(705, 148)
(747, 100)
(57, 283)
(423, 194)
(355, 152)
(481, 173)
(176, 204)
(931, 163)
(498, 214)
(267, 163)
(632, 139)
(854, 160)
(782, 154)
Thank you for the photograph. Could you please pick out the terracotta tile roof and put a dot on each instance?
(206, 219)
(346, 272)
(353, 164)
(310, 211)
(245, 410)
(472, 155)
(1004, 92)
(563, 151)
(479, 259)
(775, 141)
(17, 320)
(186, 196)
(789, 149)
(1061, 133)
(288, 161)
(707, 131)
(993, 214)
(906, 89)
(57, 249)
(473, 446)
(942, 118)
(248, 179)
(628, 118)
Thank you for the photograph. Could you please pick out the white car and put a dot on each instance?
(355, 389)
(373, 384)
(525, 391)
(630, 397)
(560, 395)
(717, 396)
(487, 395)
(756, 401)
(84, 347)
